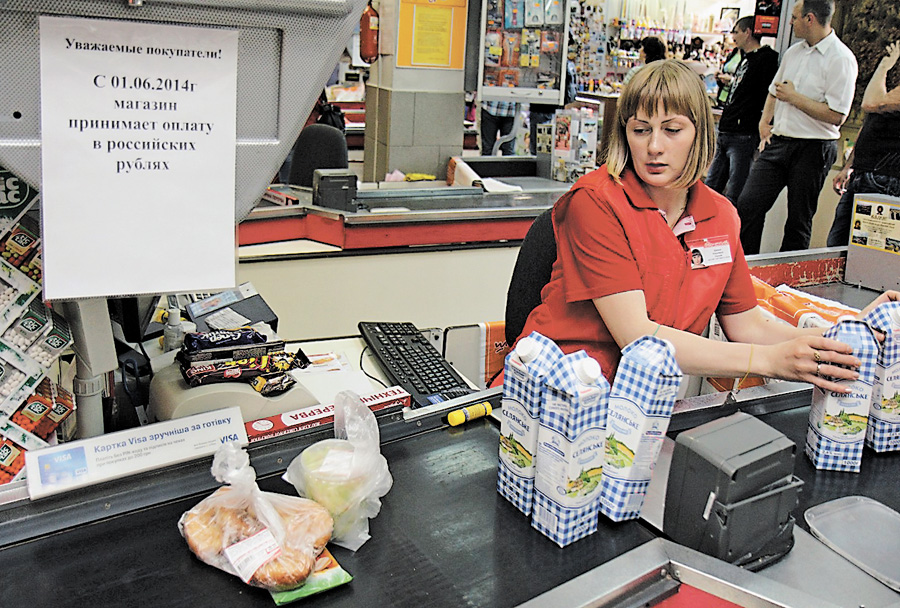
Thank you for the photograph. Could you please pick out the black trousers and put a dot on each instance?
(799, 164)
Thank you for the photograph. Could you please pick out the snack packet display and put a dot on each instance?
(268, 540)
(837, 421)
(883, 428)
(348, 474)
(524, 372)
(570, 450)
(640, 406)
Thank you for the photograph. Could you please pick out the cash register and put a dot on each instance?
(731, 490)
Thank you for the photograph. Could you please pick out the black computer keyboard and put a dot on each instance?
(409, 360)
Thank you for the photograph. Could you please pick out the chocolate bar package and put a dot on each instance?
(244, 370)
(228, 353)
(222, 338)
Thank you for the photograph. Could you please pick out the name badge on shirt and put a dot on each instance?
(709, 252)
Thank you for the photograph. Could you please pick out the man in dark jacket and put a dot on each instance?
(874, 165)
(738, 136)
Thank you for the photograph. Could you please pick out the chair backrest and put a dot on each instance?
(530, 274)
(318, 147)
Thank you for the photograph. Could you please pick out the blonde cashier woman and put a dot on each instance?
(625, 236)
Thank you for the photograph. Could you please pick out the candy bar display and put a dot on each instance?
(221, 338)
(33, 324)
(12, 460)
(22, 243)
(16, 198)
(46, 350)
(33, 268)
(242, 355)
(45, 410)
(10, 379)
(17, 291)
(32, 426)
(7, 294)
(19, 377)
(243, 370)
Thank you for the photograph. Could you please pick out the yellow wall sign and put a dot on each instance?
(432, 34)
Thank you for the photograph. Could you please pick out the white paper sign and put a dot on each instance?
(138, 156)
(89, 461)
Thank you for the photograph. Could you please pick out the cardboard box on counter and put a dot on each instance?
(318, 415)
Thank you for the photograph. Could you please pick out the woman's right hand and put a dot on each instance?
(814, 359)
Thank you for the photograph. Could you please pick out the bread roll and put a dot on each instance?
(227, 517)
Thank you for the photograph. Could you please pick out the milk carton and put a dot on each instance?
(883, 429)
(570, 449)
(640, 406)
(523, 386)
(837, 421)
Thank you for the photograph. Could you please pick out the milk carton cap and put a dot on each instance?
(587, 371)
(527, 349)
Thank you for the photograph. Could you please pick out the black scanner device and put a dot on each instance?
(731, 490)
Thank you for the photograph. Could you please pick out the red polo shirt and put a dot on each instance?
(612, 238)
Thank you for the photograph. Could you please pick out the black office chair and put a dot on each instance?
(318, 147)
(530, 274)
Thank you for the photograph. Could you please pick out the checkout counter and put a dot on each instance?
(444, 536)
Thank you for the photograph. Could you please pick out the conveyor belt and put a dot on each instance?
(879, 477)
(444, 538)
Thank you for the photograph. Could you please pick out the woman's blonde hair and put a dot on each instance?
(681, 91)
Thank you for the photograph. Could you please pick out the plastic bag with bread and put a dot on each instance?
(268, 540)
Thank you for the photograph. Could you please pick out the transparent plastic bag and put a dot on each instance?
(268, 540)
(347, 475)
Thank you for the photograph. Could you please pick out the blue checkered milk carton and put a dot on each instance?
(837, 421)
(883, 428)
(640, 406)
(570, 450)
(524, 372)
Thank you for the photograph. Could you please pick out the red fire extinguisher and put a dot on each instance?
(368, 34)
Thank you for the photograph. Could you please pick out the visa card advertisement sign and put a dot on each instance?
(97, 459)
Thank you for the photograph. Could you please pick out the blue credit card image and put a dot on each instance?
(64, 467)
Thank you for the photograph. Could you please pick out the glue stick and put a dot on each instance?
(457, 417)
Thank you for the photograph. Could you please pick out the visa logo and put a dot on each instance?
(227, 438)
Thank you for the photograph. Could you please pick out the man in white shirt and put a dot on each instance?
(808, 101)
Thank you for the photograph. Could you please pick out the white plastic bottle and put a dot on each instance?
(173, 333)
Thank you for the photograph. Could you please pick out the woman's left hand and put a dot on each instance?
(822, 362)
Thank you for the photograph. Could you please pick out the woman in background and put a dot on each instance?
(652, 49)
